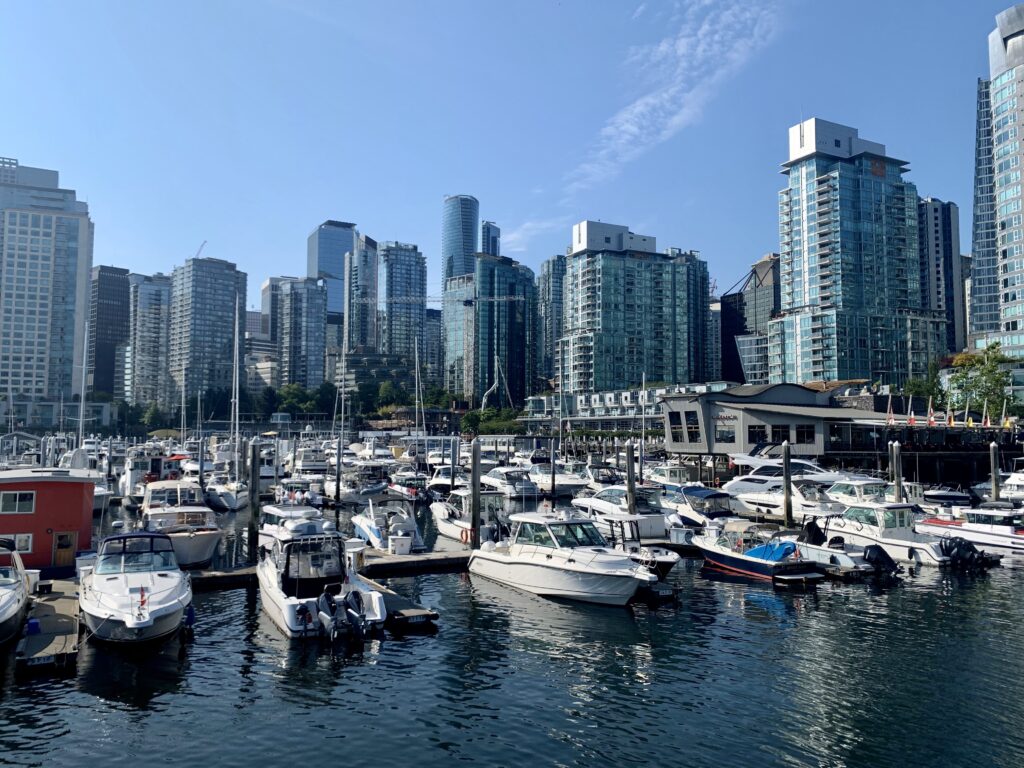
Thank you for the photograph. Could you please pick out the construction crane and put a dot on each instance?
(438, 300)
(200, 250)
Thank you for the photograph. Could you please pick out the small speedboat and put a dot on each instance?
(753, 550)
(625, 537)
(378, 523)
(135, 591)
(514, 482)
(807, 498)
(995, 525)
(614, 501)
(563, 557)
(454, 517)
(695, 505)
(13, 591)
(175, 508)
(834, 557)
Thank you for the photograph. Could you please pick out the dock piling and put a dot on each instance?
(474, 480)
(254, 499)
(787, 483)
(993, 458)
(897, 471)
(630, 479)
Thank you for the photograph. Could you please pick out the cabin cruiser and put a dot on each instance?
(529, 458)
(752, 549)
(806, 496)
(929, 499)
(624, 536)
(562, 557)
(454, 517)
(307, 588)
(135, 590)
(832, 555)
(600, 476)
(13, 591)
(561, 483)
(309, 461)
(995, 525)
(409, 484)
(82, 459)
(614, 501)
(891, 526)
(175, 508)
(379, 523)
(514, 482)
(767, 474)
(671, 477)
(441, 484)
(857, 491)
(227, 494)
(273, 518)
(695, 505)
(295, 490)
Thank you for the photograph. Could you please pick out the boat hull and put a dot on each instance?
(113, 630)
(905, 551)
(195, 549)
(751, 566)
(547, 581)
(11, 620)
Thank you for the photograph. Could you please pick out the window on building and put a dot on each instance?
(757, 433)
(725, 433)
(675, 425)
(804, 434)
(780, 432)
(17, 502)
(692, 427)
(22, 543)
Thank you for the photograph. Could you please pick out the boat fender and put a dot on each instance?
(190, 616)
(464, 536)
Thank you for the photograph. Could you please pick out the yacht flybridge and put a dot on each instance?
(561, 557)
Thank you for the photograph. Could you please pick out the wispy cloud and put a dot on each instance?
(518, 239)
(639, 11)
(682, 72)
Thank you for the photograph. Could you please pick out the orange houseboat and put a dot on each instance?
(48, 514)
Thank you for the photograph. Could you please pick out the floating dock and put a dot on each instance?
(55, 645)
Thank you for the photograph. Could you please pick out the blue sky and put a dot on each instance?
(245, 124)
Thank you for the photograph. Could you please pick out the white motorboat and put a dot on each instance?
(929, 499)
(135, 592)
(562, 558)
(306, 587)
(696, 505)
(297, 491)
(834, 556)
(807, 498)
(559, 483)
(625, 537)
(13, 591)
(671, 477)
(767, 474)
(175, 508)
(274, 517)
(309, 461)
(227, 494)
(995, 525)
(529, 458)
(347, 492)
(409, 484)
(381, 522)
(753, 550)
(441, 484)
(613, 501)
(857, 491)
(601, 476)
(514, 482)
(454, 517)
(891, 526)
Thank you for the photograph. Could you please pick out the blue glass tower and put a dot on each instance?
(458, 234)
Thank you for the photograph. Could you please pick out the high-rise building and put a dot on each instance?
(634, 311)
(985, 277)
(361, 296)
(458, 234)
(490, 238)
(852, 304)
(254, 322)
(745, 315)
(505, 328)
(550, 308)
(402, 287)
(46, 240)
(459, 335)
(966, 268)
(942, 278)
(207, 306)
(713, 366)
(301, 323)
(325, 259)
(997, 282)
(270, 298)
(108, 325)
(433, 357)
(147, 379)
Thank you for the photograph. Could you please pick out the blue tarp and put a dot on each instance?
(773, 551)
(700, 492)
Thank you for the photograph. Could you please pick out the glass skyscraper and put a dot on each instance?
(108, 325)
(458, 234)
(630, 310)
(852, 303)
(746, 313)
(147, 358)
(490, 238)
(550, 308)
(942, 277)
(301, 325)
(985, 255)
(46, 241)
(459, 335)
(325, 259)
(506, 328)
(402, 286)
(361, 296)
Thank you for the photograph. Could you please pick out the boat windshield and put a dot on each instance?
(136, 555)
(577, 534)
(647, 502)
(7, 576)
(898, 517)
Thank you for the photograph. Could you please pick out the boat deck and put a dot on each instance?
(55, 646)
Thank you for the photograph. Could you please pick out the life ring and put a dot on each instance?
(464, 536)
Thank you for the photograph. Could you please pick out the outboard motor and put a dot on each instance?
(884, 565)
(355, 613)
(327, 610)
(964, 556)
(811, 534)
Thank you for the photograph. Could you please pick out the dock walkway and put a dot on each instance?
(55, 645)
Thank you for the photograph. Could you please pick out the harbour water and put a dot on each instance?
(928, 672)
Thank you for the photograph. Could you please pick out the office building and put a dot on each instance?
(459, 231)
(253, 322)
(550, 308)
(852, 305)
(325, 259)
(361, 296)
(459, 335)
(942, 278)
(301, 323)
(433, 357)
(108, 325)
(402, 287)
(634, 311)
(46, 239)
(713, 348)
(746, 312)
(985, 275)
(147, 356)
(207, 306)
(505, 328)
(490, 238)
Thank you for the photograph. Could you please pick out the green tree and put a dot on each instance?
(981, 379)
(326, 396)
(153, 418)
(267, 403)
(293, 399)
(471, 422)
(929, 386)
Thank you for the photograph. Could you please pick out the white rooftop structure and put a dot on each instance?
(817, 135)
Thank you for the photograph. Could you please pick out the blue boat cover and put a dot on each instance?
(700, 492)
(773, 551)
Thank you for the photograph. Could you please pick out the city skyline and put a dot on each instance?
(721, 75)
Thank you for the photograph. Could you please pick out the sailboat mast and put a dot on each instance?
(183, 414)
(81, 398)
(234, 395)
(416, 407)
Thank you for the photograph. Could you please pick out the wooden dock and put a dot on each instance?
(55, 645)
(382, 566)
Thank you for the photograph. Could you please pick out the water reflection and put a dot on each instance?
(133, 676)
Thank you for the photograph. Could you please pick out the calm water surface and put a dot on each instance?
(928, 673)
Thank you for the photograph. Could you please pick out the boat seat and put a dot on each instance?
(837, 542)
